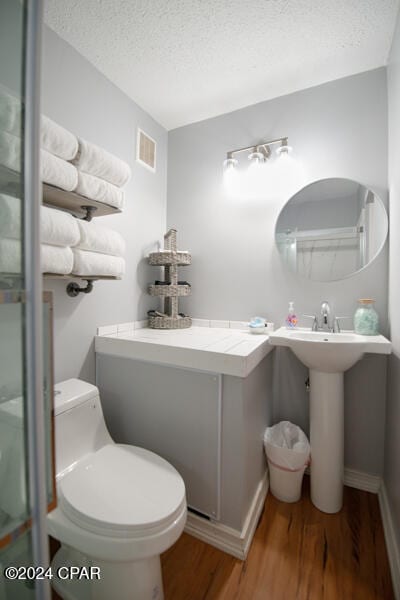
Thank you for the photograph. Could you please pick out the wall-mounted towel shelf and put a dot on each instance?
(73, 289)
(13, 280)
(78, 205)
(81, 277)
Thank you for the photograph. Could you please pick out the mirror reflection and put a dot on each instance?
(331, 229)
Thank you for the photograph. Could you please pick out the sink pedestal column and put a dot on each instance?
(327, 440)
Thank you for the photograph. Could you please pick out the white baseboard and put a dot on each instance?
(362, 481)
(373, 483)
(391, 540)
(226, 538)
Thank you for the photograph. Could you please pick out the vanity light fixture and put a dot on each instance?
(284, 149)
(258, 154)
(230, 162)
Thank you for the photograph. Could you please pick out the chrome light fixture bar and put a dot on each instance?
(259, 153)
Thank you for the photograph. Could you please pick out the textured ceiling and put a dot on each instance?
(187, 60)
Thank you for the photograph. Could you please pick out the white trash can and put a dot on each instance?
(288, 452)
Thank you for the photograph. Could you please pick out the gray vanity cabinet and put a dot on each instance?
(208, 425)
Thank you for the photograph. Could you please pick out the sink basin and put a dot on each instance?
(329, 352)
(328, 355)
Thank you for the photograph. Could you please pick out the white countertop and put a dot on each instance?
(218, 350)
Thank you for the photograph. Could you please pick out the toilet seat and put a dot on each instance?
(122, 491)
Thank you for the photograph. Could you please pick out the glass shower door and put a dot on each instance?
(25, 404)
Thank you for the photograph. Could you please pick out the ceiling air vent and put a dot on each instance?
(146, 150)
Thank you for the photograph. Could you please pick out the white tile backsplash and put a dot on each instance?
(107, 329)
(224, 324)
(201, 322)
(130, 326)
(238, 324)
(134, 325)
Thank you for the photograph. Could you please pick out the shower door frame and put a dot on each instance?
(19, 297)
(27, 292)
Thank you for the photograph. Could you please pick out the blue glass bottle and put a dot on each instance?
(366, 320)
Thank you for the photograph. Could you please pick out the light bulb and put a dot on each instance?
(256, 158)
(230, 163)
(284, 149)
(230, 173)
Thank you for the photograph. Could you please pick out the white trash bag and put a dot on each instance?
(288, 452)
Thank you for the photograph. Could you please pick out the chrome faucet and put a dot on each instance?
(325, 322)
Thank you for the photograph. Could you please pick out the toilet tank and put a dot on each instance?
(80, 428)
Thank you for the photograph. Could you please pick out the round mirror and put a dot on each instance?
(331, 229)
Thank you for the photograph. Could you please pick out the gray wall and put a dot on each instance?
(337, 130)
(392, 448)
(80, 98)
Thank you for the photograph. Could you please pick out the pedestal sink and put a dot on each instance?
(328, 356)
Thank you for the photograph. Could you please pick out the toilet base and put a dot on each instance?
(137, 580)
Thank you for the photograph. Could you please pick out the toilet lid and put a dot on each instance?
(122, 491)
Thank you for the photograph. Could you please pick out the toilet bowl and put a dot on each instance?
(119, 506)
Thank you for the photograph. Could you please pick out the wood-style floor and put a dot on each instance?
(298, 553)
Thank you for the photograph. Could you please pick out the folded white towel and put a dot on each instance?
(56, 259)
(10, 256)
(96, 161)
(53, 137)
(10, 151)
(58, 172)
(100, 239)
(10, 216)
(10, 112)
(58, 228)
(53, 170)
(94, 263)
(57, 140)
(98, 189)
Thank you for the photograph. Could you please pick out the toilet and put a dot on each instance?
(119, 506)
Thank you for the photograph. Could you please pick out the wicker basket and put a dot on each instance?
(170, 258)
(169, 291)
(170, 322)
